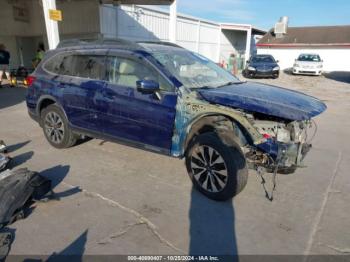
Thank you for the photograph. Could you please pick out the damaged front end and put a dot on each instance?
(286, 145)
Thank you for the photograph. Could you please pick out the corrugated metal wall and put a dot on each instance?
(142, 23)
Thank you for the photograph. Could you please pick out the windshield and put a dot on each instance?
(309, 58)
(194, 70)
(262, 59)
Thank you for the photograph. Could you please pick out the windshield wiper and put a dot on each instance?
(231, 83)
(203, 87)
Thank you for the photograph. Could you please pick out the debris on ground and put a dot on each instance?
(6, 239)
(4, 157)
(19, 189)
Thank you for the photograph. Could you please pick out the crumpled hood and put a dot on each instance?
(265, 99)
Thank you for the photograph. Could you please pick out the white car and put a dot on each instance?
(308, 64)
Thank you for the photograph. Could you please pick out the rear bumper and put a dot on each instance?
(34, 116)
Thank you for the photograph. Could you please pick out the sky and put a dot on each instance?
(265, 13)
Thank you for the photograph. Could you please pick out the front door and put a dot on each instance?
(147, 119)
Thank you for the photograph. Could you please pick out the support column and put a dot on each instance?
(219, 46)
(198, 35)
(248, 43)
(51, 26)
(172, 22)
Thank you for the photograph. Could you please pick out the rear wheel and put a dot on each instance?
(56, 129)
(216, 170)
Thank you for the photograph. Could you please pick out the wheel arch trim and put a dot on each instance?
(49, 97)
(243, 125)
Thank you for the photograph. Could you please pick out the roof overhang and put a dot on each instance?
(238, 27)
(243, 27)
(137, 2)
(294, 45)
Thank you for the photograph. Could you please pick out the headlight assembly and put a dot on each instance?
(251, 68)
(276, 68)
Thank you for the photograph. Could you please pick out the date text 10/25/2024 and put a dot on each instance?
(173, 258)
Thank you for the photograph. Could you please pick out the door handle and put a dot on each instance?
(108, 94)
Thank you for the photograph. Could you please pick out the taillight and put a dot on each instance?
(29, 80)
(266, 136)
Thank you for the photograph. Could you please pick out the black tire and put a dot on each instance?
(246, 74)
(216, 186)
(56, 128)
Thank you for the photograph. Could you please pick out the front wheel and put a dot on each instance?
(217, 170)
(56, 129)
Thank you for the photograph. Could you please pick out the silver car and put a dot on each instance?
(308, 64)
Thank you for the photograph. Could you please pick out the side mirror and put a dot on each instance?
(277, 61)
(147, 86)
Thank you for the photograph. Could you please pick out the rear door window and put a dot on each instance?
(88, 66)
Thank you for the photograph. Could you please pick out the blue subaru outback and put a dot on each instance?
(166, 99)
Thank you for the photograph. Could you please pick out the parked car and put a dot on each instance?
(262, 66)
(308, 64)
(164, 98)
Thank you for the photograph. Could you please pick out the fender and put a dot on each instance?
(40, 101)
(228, 129)
(190, 109)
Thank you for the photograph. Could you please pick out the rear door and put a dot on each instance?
(147, 119)
(81, 80)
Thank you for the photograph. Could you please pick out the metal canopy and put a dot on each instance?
(137, 2)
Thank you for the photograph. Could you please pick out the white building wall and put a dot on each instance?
(79, 17)
(335, 59)
(232, 42)
(149, 24)
(188, 33)
(137, 23)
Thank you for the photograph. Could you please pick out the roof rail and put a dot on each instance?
(95, 41)
(159, 43)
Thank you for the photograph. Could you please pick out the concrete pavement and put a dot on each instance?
(120, 200)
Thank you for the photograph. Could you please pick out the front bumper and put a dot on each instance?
(307, 71)
(259, 73)
(272, 154)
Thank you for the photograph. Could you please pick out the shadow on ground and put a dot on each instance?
(212, 228)
(10, 96)
(338, 76)
(20, 159)
(73, 252)
(14, 147)
(57, 174)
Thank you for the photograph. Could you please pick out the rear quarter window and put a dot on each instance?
(53, 64)
(78, 65)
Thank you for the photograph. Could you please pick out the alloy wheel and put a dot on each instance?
(209, 168)
(54, 127)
